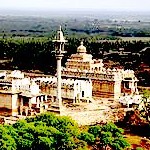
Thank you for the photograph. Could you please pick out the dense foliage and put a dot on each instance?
(109, 136)
(50, 132)
(36, 54)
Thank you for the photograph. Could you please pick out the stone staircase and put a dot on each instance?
(55, 108)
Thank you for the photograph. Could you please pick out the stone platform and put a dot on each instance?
(55, 108)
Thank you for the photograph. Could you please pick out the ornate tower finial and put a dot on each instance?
(60, 28)
(82, 43)
(59, 41)
(59, 38)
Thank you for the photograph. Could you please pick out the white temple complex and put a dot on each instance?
(107, 83)
(82, 80)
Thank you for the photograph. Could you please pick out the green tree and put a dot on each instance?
(87, 137)
(49, 131)
(109, 135)
(95, 130)
(7, 142)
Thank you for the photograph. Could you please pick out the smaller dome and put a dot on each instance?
(81, 48)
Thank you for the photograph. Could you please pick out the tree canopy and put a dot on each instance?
(36, 53)
(50, 132)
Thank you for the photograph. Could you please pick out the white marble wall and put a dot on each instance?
(25, 85)
(70, 87)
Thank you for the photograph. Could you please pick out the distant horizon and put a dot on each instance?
(85, 5)
(95, 14)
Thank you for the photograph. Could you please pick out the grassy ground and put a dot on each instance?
(137, 141)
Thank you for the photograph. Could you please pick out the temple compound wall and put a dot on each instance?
(74, 90)
(106, 82)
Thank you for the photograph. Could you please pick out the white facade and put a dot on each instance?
(83, 89)
(25, 85)
(130, 99)
(15, 104)
(70, 88)
(16, 74)
(2, 74)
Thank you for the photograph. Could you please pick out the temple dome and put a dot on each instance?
(81, 48)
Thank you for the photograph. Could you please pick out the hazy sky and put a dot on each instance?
(134, 5)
